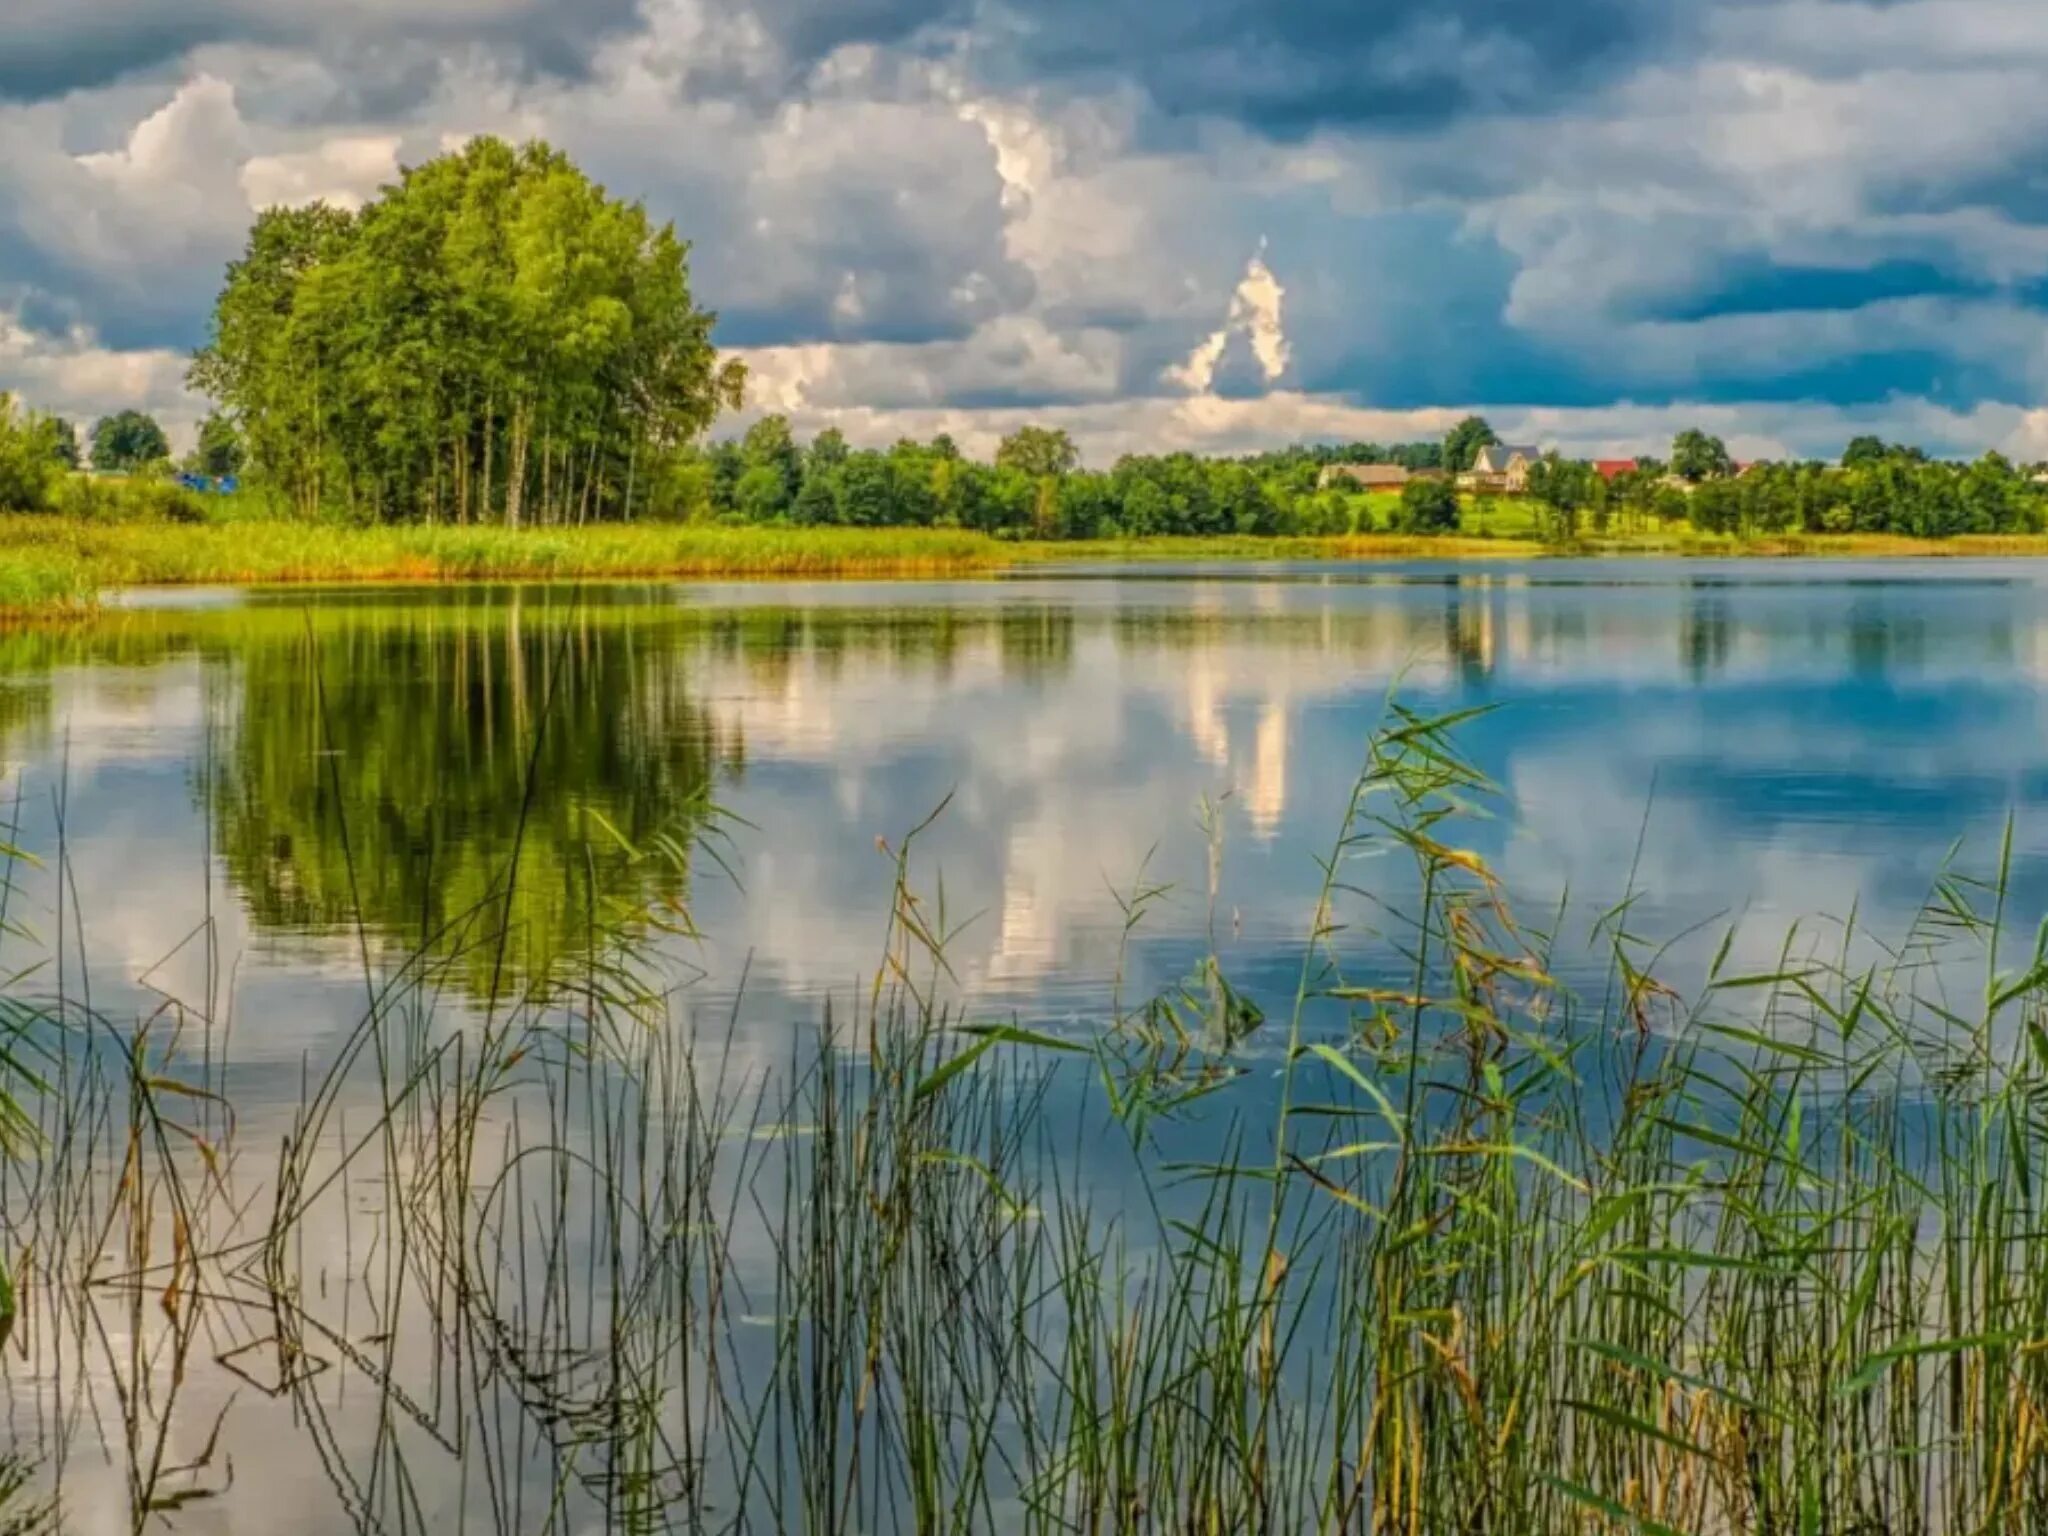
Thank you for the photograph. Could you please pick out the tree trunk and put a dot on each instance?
(483, 506)
(515, 488)
(547, 476)
(589, 479)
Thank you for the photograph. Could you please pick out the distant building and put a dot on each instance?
(1362, 477)
(1502, 467)
(1613, 469)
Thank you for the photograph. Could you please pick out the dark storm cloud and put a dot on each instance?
(48, 49)
(1286, 68)
(808, 30)
(51, 47)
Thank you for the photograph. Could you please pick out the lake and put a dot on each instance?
(1756, 742)
(253, 816)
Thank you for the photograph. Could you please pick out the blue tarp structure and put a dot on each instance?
(206, 485)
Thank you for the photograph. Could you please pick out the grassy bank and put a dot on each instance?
(53, 565)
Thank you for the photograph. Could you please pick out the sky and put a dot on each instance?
(1218, 225)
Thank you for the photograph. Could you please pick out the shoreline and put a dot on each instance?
(54, 567)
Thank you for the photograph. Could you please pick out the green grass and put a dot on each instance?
(54, 565)
(1458, 1251)
(50, 562)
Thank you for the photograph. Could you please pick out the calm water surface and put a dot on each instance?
(1757, 743)
(256, 805)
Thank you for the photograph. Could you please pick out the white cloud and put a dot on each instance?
(74, 376)
(345, 172)
(1255, 314)
(926, 233)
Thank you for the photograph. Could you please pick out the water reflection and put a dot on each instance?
(339, 773)
(446, 772)
(1749, 740)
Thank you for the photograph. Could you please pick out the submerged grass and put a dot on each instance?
(1454, 1249)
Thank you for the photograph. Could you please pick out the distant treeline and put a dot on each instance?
(1877, 487)
(1034, 488)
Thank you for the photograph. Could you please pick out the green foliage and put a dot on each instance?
(21, 1512)
(828, 451)
(140, 500)
(1277, 494)
(761, 495)
(1463, 442)
(128, 441)
(56, 563)
(1429, 506)
(31, 458)
(1696, 457)
(1897, 494)
(775, 466)
(220, 452)
(1564, 488)
(495, 339)
(1038, 452)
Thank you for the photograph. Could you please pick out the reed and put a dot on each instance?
(1434, 1246)
(51, 562)
(63, 565)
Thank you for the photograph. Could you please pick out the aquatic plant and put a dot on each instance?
(1436, 1245)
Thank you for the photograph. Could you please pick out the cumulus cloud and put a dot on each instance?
(1805, 213)
(1255, 317)
(344, 172)
(76, 377)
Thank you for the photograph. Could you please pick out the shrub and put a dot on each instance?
(29, 464)
(1428, 507)
(131, 500)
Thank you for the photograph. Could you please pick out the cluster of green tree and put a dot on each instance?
(38, 451)
(31, 457)
(1034, 488)
(493, 339)
(124, 443)
(1878, 487)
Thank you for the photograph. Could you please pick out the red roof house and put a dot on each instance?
(1609, 468)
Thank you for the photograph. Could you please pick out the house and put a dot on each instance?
(1613, 469)
(1362, 477)
(1502, 467)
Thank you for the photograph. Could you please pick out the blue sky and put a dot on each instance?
(1218, 224)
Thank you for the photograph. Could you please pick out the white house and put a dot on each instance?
(1502, 467)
